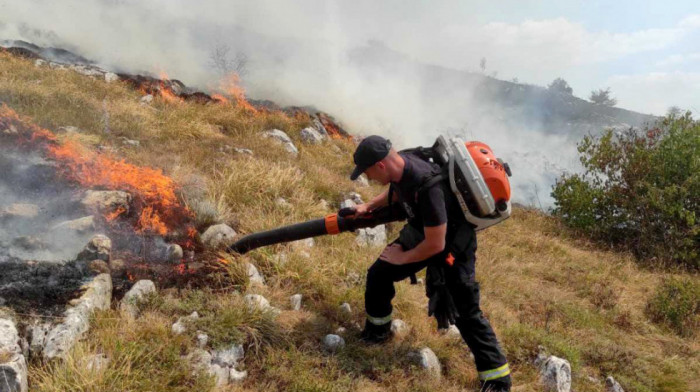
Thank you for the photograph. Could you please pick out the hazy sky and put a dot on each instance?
(648, 53)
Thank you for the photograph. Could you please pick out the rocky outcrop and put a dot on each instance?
(136, 294)
(311, 136)
(98, 248)
(13, 364)
(62, 337)
(81, 225)
(107, 202)
(282, 138)
(19, 211)
(220, 364)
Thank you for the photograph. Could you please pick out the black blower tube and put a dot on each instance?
(331, 224)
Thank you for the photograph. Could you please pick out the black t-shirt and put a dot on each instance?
(427, 208)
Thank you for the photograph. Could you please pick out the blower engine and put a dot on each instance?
(478, 179)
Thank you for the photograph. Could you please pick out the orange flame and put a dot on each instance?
(115, 214)
(166, 92)
(153, 192)
(231, 85)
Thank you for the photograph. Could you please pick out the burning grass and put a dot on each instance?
(160, 212)
(540, 285)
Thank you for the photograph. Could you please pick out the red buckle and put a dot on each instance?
(450, 260)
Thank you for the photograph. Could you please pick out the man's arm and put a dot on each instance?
(380, 200)
(433, 244)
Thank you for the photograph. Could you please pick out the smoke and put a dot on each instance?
(33, 205)
(328, 54)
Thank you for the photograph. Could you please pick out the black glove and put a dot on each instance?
(440, 303)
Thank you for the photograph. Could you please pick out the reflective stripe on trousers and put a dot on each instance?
(495, 373)
(379, 320)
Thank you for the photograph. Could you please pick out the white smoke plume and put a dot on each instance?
(310, 52)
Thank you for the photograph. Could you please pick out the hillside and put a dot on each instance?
(540, 285)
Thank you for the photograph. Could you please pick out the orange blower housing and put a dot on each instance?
(494, 171)
(477, 178)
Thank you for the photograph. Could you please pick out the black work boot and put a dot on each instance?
(502, 384)
(376, 334)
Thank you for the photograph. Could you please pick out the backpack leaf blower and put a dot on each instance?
(476, 177)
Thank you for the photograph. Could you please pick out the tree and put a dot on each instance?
(640, 191)
(560, 85)
(674, 111)
(225, 62)
(602, 97)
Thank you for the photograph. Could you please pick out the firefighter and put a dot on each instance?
(436, 236)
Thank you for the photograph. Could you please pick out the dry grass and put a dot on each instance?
(540, 285)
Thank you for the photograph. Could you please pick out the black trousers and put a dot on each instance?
(475, 329)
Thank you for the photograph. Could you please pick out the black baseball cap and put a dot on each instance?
(371, 150)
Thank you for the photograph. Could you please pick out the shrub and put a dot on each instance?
(602, 97)
(560, 85)
(640, 190)
(676, 304)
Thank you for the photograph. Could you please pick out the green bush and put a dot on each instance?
(676, 304)
(640, 190)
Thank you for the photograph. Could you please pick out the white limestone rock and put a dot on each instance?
(146, 99)
(306, 243)
(97, 296)
(346, 309)
(452, 332)
(256, 301)
(137, 293)
(228, 357)
(611, 385)
(282, 138)
(311, 136)
(13, 368)
(221, 374)
(333, 343)
(81, 225)
(218, 235)
(111, 77)
(426, 359)
(371, 236)
(96, 362)
(236, 376)
(254, 276)
(555, 373)
(37, 338)
(399, 327)
(283, 203)
(98, 248)
(19, 210)
(295, 301)
(202, 339)
(362, 181)
(180, 326)
(106, 202)
(244, 151)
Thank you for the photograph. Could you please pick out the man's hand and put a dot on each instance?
(360, 210)
(393, 254)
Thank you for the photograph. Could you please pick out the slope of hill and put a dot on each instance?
(541, 287)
